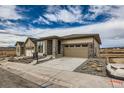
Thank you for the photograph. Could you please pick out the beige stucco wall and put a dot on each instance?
(77, 41)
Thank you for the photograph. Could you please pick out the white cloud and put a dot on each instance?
(115, 12)
(97, 10)
(41, 20)
(70, 15)
(7, 23)
(9, 39)
(9, 12)
(51, 17)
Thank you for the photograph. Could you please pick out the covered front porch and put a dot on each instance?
(51, 47)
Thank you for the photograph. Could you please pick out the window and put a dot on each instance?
(71, 45)
(78, 45)
(40, 47)
(59, 46)
(66, 45)
(84, 45)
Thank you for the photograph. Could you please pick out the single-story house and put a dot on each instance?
(19, 48)
(75, 45)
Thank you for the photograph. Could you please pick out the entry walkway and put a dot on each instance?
(46, 75)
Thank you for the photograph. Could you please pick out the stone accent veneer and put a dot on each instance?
(55, 48)
(90, 50)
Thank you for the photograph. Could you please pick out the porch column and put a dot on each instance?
(54, 47)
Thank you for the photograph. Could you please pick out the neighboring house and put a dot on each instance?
(7, 51)
(75, 45)
(30, 46)
(19, 48)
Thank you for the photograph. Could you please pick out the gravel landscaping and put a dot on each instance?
(93, 66)
(2, 58)
(25, 60)
(22, 60)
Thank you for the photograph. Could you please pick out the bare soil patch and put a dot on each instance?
(93, 66)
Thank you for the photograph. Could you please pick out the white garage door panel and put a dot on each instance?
(29, 52)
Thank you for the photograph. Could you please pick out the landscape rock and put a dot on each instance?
(93, 66)
(99, 69)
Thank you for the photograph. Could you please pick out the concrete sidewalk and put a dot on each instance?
(44, 75)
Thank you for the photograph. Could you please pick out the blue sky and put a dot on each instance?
(19, 22)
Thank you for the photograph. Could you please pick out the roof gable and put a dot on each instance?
(20, 43)
(34, 40)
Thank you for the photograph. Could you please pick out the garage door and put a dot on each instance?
(76, 51)
(29, 52)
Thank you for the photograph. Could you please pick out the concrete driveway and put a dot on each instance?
(64, 63)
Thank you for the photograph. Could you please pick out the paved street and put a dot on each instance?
(10, 80)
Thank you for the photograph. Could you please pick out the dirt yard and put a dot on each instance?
(93, 66)
(10, 80)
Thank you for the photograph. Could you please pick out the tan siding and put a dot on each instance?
(29, 44)
(80, 40)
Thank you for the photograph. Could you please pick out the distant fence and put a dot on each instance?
(7, 52)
